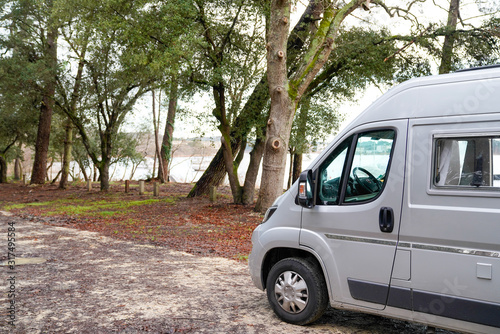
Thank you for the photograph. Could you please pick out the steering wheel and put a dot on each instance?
(370, 184)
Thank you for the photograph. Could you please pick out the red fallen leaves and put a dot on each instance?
(193, 225)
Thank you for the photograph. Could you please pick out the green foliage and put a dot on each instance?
(363, 57)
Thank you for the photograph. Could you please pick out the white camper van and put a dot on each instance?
(399, 216)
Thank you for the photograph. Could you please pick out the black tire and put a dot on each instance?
(296, 290)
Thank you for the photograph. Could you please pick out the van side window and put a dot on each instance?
(367, 165)
(467, 162)
(330, 174)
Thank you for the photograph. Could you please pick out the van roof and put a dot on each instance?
(475, 91)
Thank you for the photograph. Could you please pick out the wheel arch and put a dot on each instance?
(275, 255)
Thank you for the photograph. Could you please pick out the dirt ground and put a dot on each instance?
(91, 283)
(72, 280)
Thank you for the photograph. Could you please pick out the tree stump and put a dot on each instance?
(213, 194)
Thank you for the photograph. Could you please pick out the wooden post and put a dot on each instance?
(89, 185)
(141, 187)
(24, 179)
(213, 194)
(156, 189)
(127, 186)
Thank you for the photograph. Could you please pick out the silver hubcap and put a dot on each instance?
(291, 292)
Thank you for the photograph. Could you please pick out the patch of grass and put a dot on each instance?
(107, 213)
(34, 204)
(242, 257)
(79, 207)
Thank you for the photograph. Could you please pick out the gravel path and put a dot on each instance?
(82, 282)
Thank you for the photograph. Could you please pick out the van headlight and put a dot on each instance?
(269, 213)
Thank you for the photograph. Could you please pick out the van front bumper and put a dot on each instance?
(255, 260)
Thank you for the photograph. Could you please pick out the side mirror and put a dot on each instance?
(306, 190)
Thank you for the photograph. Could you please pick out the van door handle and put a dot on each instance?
(386, 219)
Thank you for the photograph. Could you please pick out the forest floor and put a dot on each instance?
(193, 225)
(93, 262)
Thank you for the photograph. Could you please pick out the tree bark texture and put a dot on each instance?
(449, 39)
(104, 174)
(253, 171)
(297, 166)
(45, 119)
(213, 176)
(106, 149)
(282, 109)
(18, 169)
(168, 135)
(68, 146)
(157, 143)
(3, 170)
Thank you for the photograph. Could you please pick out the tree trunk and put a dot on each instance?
(18, 169)
(282, 108)
(285, 95)
(68, 146)
(213, 176)
(231, 170)
(449, 39)
(225, 130)
(3, 170)
(104, 174)
(300, 139)
(297, 166)
(45, 120)
(157, 143)
(290, 170)
(82, 169)
(70, 112)
(168, 135)
(253, 171)
(215, 173)
(106, 150)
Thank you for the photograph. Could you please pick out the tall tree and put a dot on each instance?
(49, 49)
(253, 114)
(231, 64)
(286, 93)
(69, 92)
(168, 135)
(33, 32)
(449, 39)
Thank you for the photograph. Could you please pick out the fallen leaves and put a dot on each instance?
(193, 225)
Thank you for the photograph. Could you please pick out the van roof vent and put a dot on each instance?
(479, 68)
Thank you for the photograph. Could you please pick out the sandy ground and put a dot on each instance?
(82, 282)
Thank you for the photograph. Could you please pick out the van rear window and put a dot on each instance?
(467, 162)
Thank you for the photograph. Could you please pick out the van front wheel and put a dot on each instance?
(297, 291)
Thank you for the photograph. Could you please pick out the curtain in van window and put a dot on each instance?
(449, 163)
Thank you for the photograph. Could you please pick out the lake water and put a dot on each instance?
(190, 169)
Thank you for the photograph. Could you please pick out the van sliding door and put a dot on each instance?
(450, 221)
